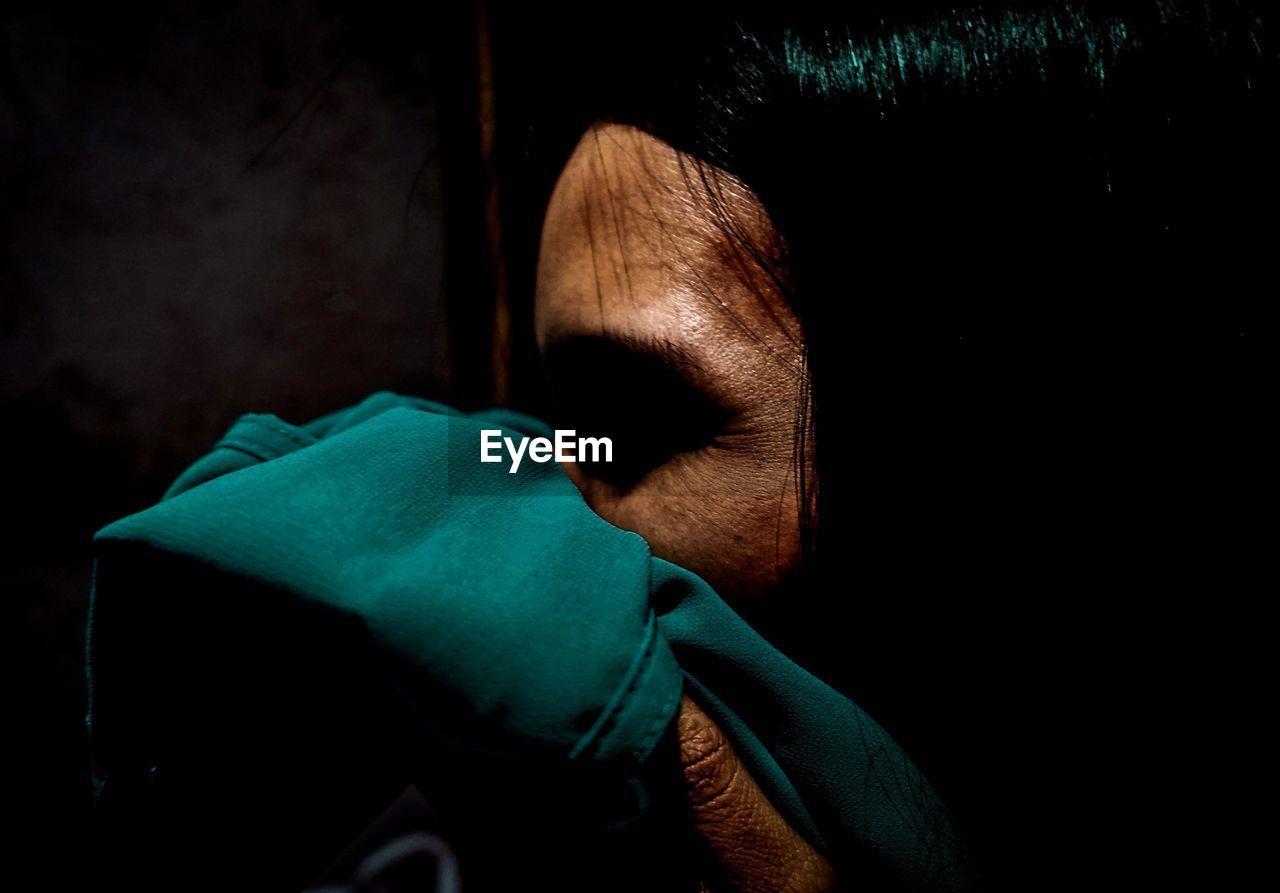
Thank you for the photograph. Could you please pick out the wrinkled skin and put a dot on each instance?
(750, 842)
(634, 256)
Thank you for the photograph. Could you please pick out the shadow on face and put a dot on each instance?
(663, 330)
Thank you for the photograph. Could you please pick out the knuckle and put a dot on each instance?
(711, 770)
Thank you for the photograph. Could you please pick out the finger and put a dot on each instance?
(753, 845)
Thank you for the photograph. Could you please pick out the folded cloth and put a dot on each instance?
(512, 619)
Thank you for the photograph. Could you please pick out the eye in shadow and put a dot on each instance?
(646, 397)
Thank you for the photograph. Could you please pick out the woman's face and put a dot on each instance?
(661, 331)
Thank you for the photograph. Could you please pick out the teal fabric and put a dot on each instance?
(525, 623)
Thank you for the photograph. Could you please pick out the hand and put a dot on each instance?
(748, 840)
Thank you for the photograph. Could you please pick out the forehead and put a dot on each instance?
(636, 246)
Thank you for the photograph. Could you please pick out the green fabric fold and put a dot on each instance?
(513, 618)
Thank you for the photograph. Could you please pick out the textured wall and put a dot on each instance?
(207, 208)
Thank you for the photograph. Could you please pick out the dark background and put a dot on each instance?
(207, 209)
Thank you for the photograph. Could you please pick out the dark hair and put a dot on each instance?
(993, 176)
(1012, 230)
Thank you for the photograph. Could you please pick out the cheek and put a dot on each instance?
(729, 517)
